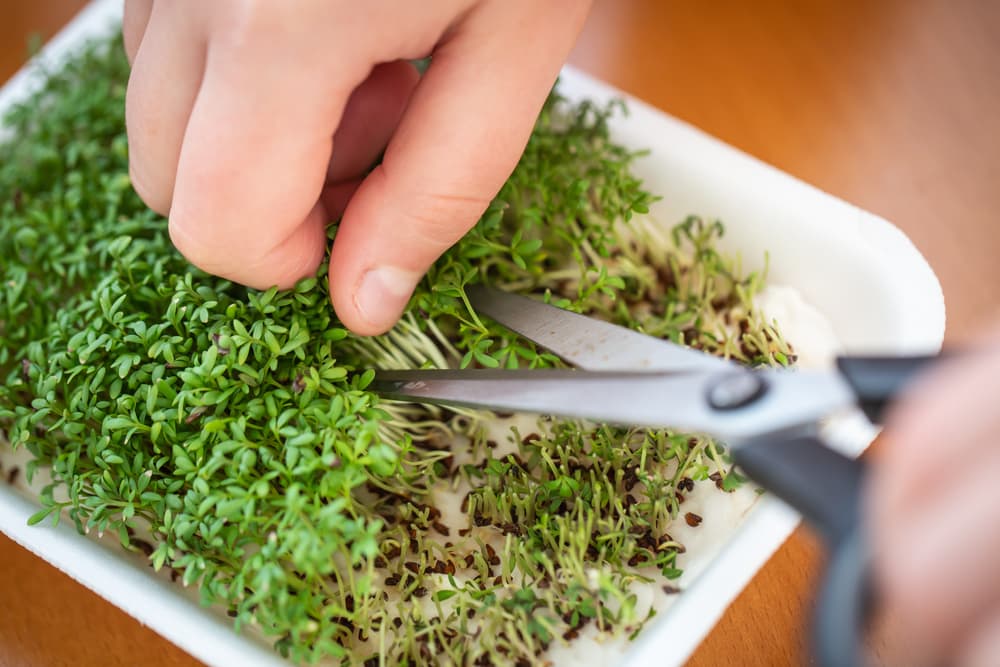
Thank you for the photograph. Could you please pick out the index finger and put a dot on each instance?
(246, 203)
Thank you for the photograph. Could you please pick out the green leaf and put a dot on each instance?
(40, 515)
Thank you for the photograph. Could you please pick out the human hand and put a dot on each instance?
(935, 507)
(251, 124)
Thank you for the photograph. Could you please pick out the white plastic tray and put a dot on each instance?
(860, 273)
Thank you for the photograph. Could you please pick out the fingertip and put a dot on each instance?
(296, 257)
(384, 245)
(151, 196)
(300, 255)
(377, 299)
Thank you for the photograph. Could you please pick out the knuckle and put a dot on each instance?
(257, 20)
(435, 215)
(443, 218)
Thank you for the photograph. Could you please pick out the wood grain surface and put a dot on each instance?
(892, 105)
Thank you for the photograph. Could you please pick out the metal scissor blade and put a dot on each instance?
(636, 398)
(585, 342)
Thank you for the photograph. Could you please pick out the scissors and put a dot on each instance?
(769, 417)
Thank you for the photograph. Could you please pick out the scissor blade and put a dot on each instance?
(586, 342)
(649, 399)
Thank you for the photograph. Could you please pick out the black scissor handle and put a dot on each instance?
(825, 487)
(878, 380)
(845, 604)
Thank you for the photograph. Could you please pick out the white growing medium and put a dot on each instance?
(800, 320)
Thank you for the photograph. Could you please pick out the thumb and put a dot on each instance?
(463, 132)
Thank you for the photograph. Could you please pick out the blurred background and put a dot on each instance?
(893, 105)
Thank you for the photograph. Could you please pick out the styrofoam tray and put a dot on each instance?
(857, 282)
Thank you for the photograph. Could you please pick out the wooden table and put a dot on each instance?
(893, 105)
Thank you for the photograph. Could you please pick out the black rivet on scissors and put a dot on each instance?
(736, 390)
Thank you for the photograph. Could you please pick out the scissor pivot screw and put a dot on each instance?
(735, 391)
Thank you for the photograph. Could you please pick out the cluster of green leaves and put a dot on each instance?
(228, 435)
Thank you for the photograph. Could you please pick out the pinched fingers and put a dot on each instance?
(232, 113)
(233, 109)
(231, 118)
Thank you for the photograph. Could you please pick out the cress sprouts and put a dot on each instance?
(227, 435)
